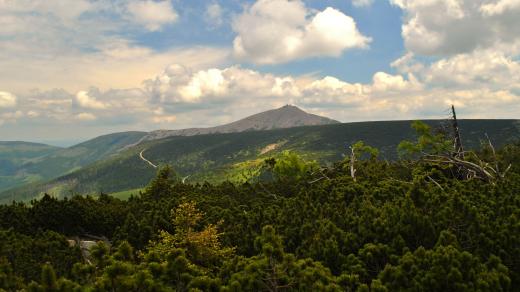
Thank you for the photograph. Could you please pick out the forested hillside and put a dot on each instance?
(435, 220)
(13, 155)
(219, 157)
(23, 163)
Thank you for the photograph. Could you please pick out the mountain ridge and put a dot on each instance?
(217, 157)
(65, 160)
(288, 116)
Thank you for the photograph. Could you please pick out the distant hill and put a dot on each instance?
(15, 154)
(288, 116)
(30, 162)
(216, 157)
(62, 161)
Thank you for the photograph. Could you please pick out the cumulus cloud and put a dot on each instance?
(240, 91)
(384, 82)
(177, 85)
(499, 7)
(182, 97)
(274, 31)
(7, 99)
(476, 44)
(419, 93)
(86, 101)
(93, 44)
(448, 27)
(152, 14)
(482, 68)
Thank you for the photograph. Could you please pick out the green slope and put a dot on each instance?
(54, 162)
(220, 156)
(15, 154)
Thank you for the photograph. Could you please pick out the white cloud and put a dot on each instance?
(384, 82)
(115, 66)
(477, 42)
(275, 31)
(7, 99)
(214, 14)
(362, 3)
(477, 68)
(178, 85)
(420, 94)
(204, 83)
(81, 43)
(86, 101)
(481, 68)
(152, 14)
(86, 117)
(407, 64)
(182, 97)
(448, 27)
(499, 7)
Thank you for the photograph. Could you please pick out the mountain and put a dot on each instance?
(38, 162)
(66, 160)
(13, 155)
(288, 116)
(217, 157)
(17, 152)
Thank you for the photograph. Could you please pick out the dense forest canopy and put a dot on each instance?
(362, 224)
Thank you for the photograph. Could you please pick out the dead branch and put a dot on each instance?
(435, 182)
(352, 161)
(494, 153)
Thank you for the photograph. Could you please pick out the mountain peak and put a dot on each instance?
(287, 116)
(290, 108)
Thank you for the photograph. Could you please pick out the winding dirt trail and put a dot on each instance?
(146, 160)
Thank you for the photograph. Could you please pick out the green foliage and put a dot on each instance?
(26, 254)
(445, 268)
(8, 279)
(201, 247)
(161, 185)
(427, 142)
(361, 148)
(291, 166)
(274, 270)
(394, 229)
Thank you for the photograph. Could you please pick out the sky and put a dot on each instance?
(73, 70)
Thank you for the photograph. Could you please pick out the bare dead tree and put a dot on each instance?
(459, 159)
(457, 143)
(352, 161)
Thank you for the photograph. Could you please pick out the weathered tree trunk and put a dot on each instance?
(457, 143)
